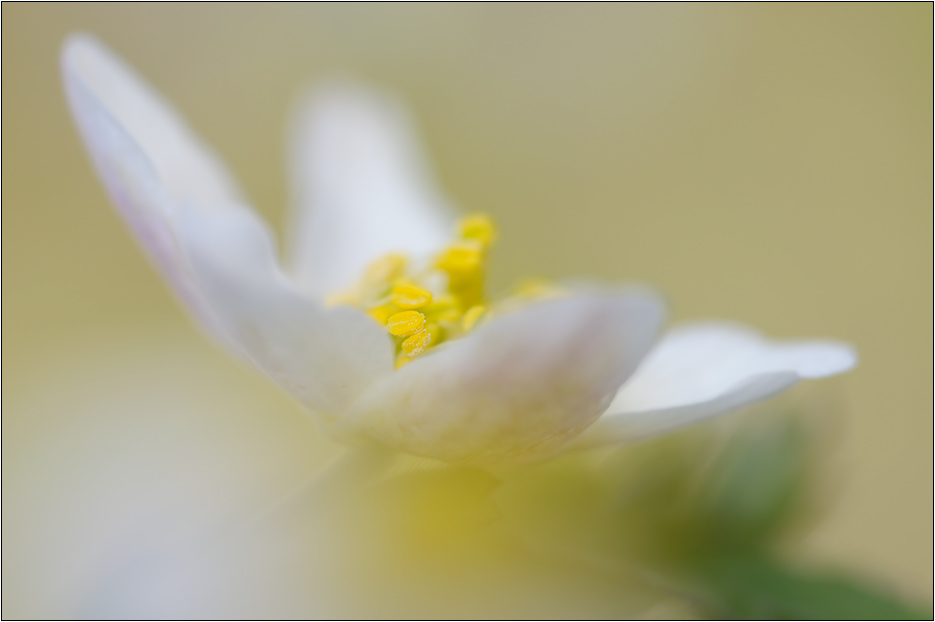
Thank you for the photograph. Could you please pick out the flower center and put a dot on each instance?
(426, 304)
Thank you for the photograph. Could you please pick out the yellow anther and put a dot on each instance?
(471, 317)
(410, 296)
(462, 260)
(382, 313)
(424, 306)
(417, 343)
(405, 323)
(478, 227)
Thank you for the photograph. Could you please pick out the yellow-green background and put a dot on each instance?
(765, 163)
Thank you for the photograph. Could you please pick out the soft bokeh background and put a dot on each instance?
(765, 163)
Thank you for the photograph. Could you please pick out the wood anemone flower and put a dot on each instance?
(380, 323)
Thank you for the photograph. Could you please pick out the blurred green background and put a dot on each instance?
(770, 164)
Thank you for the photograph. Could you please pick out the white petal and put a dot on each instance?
(325, 358)
(216, 252)
(187, 168)
(701, 370)
(93, 76)
(361, 188)
(520, 387)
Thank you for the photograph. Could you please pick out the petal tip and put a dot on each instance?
(826, 358)
(75, 41)
(81, 47)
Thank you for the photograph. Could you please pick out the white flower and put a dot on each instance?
(586, 367)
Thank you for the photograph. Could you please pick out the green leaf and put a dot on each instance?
(755, 484)
(758, 588)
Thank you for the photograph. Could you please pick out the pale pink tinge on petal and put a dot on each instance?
(130, 177)
(218, 255)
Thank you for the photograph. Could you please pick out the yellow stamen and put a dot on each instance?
(424, 306)
(417, 343)
(471, 317)
(478, 227)
(410, 296)
(382, 313)
(378, 276)
(405, 323)
(462, 261)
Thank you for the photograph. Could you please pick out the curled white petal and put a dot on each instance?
(215, 251)
(701, 370)
(361, 188)
(520, 387)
